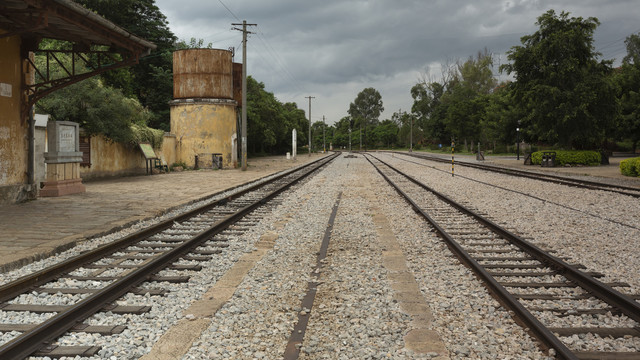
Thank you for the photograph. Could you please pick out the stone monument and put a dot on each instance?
(63, 160)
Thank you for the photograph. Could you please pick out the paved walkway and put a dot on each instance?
(37, 229)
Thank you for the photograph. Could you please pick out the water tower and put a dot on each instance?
(203, 112)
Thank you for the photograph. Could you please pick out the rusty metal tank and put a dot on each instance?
(202, 73)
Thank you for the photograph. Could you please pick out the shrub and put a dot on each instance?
(590, 158)
(630, 167)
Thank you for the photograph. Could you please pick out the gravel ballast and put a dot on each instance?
(355, 314)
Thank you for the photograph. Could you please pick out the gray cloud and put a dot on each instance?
(333, 49)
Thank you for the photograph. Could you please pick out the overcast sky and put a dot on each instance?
(332, 49)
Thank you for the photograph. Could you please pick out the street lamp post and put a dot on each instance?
(518, 143)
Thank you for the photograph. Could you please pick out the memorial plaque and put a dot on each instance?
(64, 142)
(67, 138)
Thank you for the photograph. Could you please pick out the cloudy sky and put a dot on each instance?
(332, 49)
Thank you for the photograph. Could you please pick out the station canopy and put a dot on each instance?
(34, 20)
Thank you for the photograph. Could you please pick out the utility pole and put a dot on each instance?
(243, 134)
(310, 97)
(324, 142)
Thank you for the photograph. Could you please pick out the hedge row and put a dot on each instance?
(590, 158)
(630, 167)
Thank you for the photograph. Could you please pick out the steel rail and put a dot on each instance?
(33, 340)
(556, 179)
(606, 293)
(627, 305)
(16, 287)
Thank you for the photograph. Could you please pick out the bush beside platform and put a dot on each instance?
(630, 167)
(564, 157)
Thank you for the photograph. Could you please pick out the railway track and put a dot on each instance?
(91, 282)
(563, 180)
(554, 300)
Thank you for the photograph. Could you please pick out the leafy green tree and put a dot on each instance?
(405, 135)
(465, 98)
(500, 121)
(269, 122)
(632, 43)
(366, 109)
(341, 134)
(429, 110)
(151, 81)
(385, 134)
(628, 80)
(561, 88)
(101, 110)
(319, 132)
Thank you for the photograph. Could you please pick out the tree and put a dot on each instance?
(99, 109)
(151, 81)
(465, 98)
(561, 88)
(632, 43)
(365, 109)
(269, 122)
(341, 135)
(428, 109)
(628, 80)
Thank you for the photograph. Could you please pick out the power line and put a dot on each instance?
(229, 10)
(279, 61)
(615, 42)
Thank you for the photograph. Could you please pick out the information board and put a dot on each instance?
(147, 150)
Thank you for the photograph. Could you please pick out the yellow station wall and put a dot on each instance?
(203, 128)
(13, 130)
(110, 159)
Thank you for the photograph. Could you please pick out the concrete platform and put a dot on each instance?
(37, 229)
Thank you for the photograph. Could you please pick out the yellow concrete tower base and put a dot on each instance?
(204, 127)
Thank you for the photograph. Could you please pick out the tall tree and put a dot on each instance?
(465, 98)
(428, 109)
(560, 85)
(628, 81)
(151, 81)
(366, 109)
(269, 122)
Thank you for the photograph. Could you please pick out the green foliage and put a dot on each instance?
(141, 133)
(193, 44)
(427, 107)
(386, 134)
(151, 80)
(560, 87)
(571, 157)
(630, 167)
(101, 110)
(365, 110)
(627, 78)
(270, 122)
